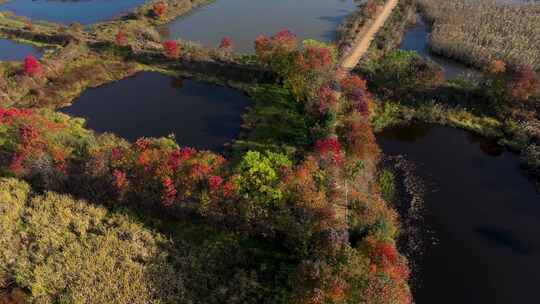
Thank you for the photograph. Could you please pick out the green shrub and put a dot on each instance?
(387, 185)
(259, 176)
(401, 73)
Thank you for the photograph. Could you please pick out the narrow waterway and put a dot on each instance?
(67, 12)
(200, 115)
(14, 51)
(244, 20)
(481, 218)
(416, 39)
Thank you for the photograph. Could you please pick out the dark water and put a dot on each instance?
(244, 20)
(201, 115)
(70, 11)
(416, 39)
(482, 218)
(14, 51)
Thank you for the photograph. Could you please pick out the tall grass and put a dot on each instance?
(479, 31)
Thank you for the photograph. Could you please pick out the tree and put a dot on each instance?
(523, 84)
(259, 176)
(121, 38)
(370, 8)
(171, 49)
(226, 44)
(159, 9)
(31, 67)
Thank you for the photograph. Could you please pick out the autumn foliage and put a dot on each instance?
(31, 66)
(270, 49)
(226, 44)
(370, 8)
(523, 83)
(159, 9)
(172, 50)
(120, 38)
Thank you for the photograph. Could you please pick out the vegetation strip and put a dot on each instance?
(351, 59)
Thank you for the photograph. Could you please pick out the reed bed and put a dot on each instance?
(479, 31)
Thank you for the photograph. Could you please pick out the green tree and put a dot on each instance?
(258, 182)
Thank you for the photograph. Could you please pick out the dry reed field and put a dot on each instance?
(479, 31)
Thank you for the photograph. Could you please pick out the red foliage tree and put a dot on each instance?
(199, 171)
(351, 83)
(370, 8)
(28, 134)
(330, 149)
(360, 99)
(142, 144)
(314, 59)
(229, 188)
(119, 180)
(168, 194)
(116, 153)
(121, 38)
(360, 138)
(214, 183)
(327, 98)
(32, 67)
(524, 83)
(171, 49)
(160, 9)
(17, 164)
(283, 42)
(226, 44)
(285, 39)
(497, 67)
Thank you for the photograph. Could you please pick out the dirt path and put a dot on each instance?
(362, 44)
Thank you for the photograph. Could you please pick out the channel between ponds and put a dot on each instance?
(416, 39)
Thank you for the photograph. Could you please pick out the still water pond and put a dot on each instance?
(482, 218)
(244, 20)
(199, 114)
(62, 11)
(416, 39)
(14, 51)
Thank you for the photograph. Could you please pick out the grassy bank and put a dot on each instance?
(478, 32)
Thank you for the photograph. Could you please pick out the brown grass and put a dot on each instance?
(479, 31)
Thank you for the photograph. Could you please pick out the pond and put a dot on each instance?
(416, 39)
(200, 115)
(14, 51)
(481, 217)
(244, 20)
(71, 11)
